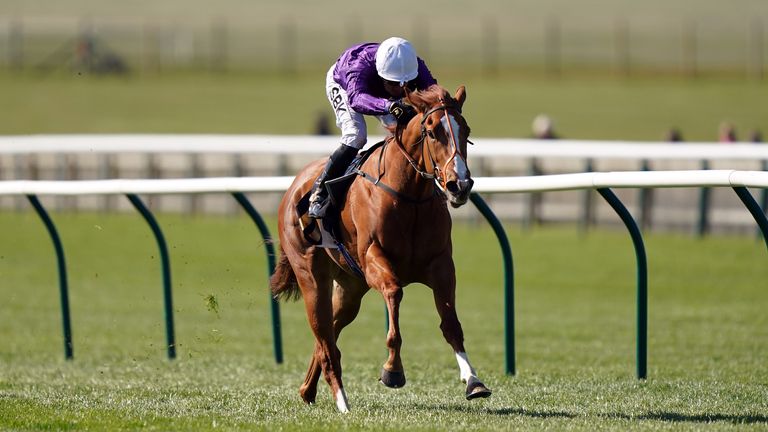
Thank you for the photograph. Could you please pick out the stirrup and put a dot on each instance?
(317, 206)
(316, 211)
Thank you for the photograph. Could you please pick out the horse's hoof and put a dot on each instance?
(392, 379)
(308, 395)
(476, 389)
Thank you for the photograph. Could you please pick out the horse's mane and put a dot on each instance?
(422, 99)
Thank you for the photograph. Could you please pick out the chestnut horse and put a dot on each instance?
(397, 229)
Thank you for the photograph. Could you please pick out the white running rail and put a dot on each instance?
(323, 145)
(593, 180)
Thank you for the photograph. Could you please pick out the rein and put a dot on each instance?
(435, 175)
(426, 150)
(377, 180)
(396, 194)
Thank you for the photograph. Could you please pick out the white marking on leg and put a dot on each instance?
(341, 401)
(465, 369)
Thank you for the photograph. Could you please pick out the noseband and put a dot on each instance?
(436, 173)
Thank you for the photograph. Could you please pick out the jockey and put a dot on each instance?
(367, 79)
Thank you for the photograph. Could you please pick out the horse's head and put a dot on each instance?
(443, 133)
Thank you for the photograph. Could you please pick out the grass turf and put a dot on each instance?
(583, 107)
(575, 335)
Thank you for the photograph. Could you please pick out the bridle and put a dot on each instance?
(426, 135)
(427, 150)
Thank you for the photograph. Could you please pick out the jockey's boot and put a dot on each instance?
(336, 165)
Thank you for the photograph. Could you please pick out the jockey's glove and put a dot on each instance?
(402, 112)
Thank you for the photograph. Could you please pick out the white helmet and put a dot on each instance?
(396, 60)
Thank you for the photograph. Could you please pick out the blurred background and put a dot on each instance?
(657, 70)
(602, 69)
(555, 36)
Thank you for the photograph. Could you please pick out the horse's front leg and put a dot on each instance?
(379, 274)
(443, 286)
(393, 373)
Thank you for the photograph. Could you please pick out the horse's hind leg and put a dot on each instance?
(444, 292)
(317, 294)
(346, 305)
(308, 389)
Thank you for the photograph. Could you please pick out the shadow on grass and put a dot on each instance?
(529, 413)
(671, 417)
(499, 411)
(702, 418)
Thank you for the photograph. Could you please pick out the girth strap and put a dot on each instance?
(350, 261)
(396, 194)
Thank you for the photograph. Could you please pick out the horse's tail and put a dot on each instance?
(283, 281)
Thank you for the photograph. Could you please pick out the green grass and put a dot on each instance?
(641, 108)
(591, 98)
(575, 335)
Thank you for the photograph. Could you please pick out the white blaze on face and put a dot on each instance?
(453, 127)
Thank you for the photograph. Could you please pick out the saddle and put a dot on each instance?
(325, 232)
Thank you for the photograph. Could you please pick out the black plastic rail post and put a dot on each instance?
(754, 209)
(63, 287)
(166, 268)
(509, 281)
(277, 338)
(642, 279)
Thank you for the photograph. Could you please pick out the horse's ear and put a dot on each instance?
(461, 95)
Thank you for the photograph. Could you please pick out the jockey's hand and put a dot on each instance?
(402, 112)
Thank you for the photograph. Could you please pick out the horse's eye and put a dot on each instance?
(431, 134)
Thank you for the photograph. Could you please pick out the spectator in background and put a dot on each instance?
(727, 132)
(674, 135)
(543, 127)
(756, 136)
(321, 124)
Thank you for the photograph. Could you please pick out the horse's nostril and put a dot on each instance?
(452, 187)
